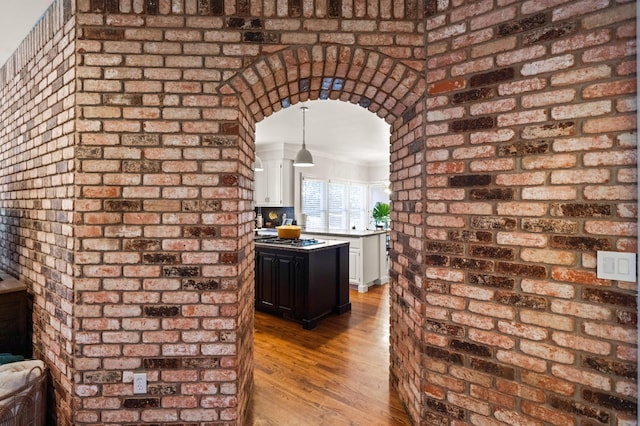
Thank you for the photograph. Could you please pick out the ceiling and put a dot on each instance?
(332, 127)
(16, 20)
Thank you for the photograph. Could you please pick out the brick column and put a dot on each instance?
(531, 152)
(164, 267)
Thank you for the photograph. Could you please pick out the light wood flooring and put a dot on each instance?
(336, 374)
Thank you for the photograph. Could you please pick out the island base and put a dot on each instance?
(303, 285)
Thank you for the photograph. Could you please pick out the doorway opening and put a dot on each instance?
(385, 87)
(344, 362)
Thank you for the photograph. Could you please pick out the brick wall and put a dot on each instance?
(37, 113)
(169, 94)
(407, 259)
(513, 160)
(531, 168)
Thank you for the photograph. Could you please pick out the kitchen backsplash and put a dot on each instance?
(272, 216)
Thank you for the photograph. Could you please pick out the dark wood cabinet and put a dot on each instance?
(15, 318)
(279, 273)
(303, 285)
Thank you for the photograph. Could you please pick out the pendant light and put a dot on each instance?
(257, 164)
(303, 157)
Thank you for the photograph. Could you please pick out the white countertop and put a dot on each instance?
(322, 244)
(318, 232)
(323, 231)
(354, 233)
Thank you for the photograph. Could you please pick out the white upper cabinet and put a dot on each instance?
(274, 185)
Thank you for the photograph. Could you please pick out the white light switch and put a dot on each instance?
(609, 265)
(623, 266)
(615, 265)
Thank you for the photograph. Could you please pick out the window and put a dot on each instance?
(357, 206)
(337, 206)
(314, 202)
(334, 205)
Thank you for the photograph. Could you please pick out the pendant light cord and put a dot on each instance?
(304, 132)
(304, 157)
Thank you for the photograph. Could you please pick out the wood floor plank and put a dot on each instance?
(336, 374)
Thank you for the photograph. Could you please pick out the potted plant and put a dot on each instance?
(381, 214)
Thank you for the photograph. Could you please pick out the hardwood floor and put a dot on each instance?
(336, 374)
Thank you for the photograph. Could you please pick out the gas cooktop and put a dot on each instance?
(292, 242)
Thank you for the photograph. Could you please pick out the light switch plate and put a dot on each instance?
(616, 265)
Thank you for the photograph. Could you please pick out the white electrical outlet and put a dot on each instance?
(139, 382)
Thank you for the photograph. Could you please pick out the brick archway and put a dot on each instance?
(393, 91)
(374, 81)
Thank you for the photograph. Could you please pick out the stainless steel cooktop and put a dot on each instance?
(292, 242)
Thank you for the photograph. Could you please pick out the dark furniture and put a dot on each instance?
(303, 284)
(15, 317)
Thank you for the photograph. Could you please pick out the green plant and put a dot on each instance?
(381, 214)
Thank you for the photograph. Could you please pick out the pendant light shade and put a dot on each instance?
(303, 157)
(257, 164)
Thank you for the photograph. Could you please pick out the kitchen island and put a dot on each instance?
(302, 282)
(367, 254)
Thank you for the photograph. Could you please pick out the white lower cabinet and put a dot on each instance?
(367, 257)
(355, 266)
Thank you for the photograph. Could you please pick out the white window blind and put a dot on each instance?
(314, 202)
(337, 206)
(357, 206)
(334, 205)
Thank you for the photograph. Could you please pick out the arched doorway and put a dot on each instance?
(338, 371)
(385, 87)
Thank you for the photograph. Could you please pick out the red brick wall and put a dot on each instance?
(513, 160)
(407, 259)
(164, 190)
(37, 115)
(246, 291)
(167, 105)
(531, 168)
